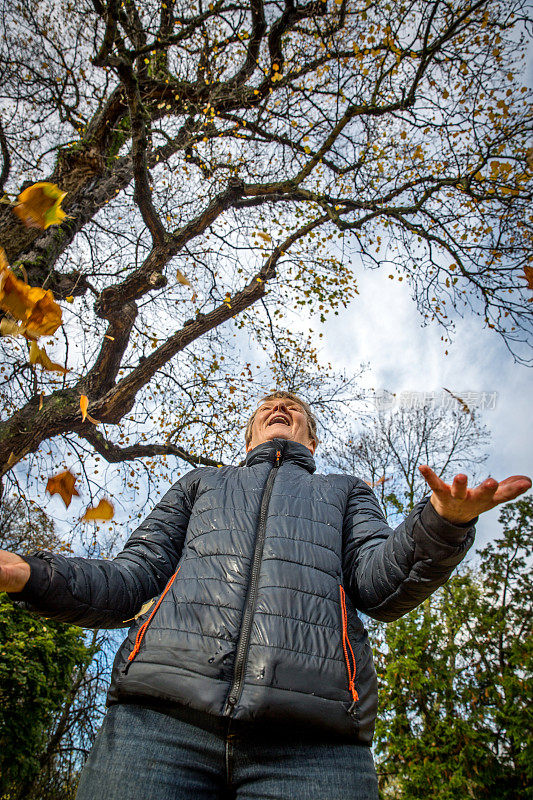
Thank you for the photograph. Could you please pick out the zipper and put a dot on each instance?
(345, 645)
(249, 607)
(144, 626)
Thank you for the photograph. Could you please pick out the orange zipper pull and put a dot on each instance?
(142, 629)
(278, 457)
(346, 641)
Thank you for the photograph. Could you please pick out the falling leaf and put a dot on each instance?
(63, 485)
(528, 273)
(35, 308)
(8, 327)
(45, 317)
(377, 483)
(461, 403)
(104, 510)
(265, 236)
(84, 405)
(38, 355)
(39, 206)
(143, 609)
(70, 298)
(182, 279)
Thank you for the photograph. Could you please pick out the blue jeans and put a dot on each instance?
(141, 753)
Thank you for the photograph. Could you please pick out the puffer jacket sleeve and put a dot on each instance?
(388, 572)
(97, 593)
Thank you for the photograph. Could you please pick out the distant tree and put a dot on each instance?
(456, 715)
(387, 450)
(24, 527)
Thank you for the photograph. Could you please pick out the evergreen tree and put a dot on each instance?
(455, 680)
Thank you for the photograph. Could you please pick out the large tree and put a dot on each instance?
(248, 147)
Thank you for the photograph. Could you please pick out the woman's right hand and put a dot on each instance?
(14, 572)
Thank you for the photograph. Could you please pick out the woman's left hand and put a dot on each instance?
(457, 503)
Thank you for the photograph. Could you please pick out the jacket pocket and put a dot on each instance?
(348, 651)
(144, 626)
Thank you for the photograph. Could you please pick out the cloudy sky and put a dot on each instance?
(383, 327)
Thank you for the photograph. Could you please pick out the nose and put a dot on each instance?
(280, 406)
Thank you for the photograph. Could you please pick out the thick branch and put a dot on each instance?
(115, 454)
(120, 399)
(139, 150)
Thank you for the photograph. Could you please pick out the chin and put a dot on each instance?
(276, 434)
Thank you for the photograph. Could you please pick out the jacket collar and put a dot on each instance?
(290, 451)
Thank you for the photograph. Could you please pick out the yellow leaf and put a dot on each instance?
(39, 206)
(41, 396)
(34, 307)
(182, 279)
(69, 299)
(8, 327)
(38, 355)
(266, 237)
(143, 609)
(63, 485)
(84, 405)
(104, 510)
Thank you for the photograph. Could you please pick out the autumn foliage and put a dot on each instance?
(191, 182)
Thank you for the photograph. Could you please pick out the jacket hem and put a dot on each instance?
(220, 725)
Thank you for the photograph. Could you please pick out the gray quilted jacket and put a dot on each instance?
(256, 575)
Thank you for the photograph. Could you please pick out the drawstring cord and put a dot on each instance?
(142, 629)
(345, 640)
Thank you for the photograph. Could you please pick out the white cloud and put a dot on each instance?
(383, 327)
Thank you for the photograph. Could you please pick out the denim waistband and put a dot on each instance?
(222, 726)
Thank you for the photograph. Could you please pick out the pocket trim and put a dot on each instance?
(345, 645)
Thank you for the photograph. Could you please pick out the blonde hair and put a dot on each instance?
(311, 420)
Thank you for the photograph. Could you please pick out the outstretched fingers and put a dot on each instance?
(459, 487)
(511, 487)
(432, 480)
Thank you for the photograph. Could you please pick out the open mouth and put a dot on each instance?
(279, 420)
